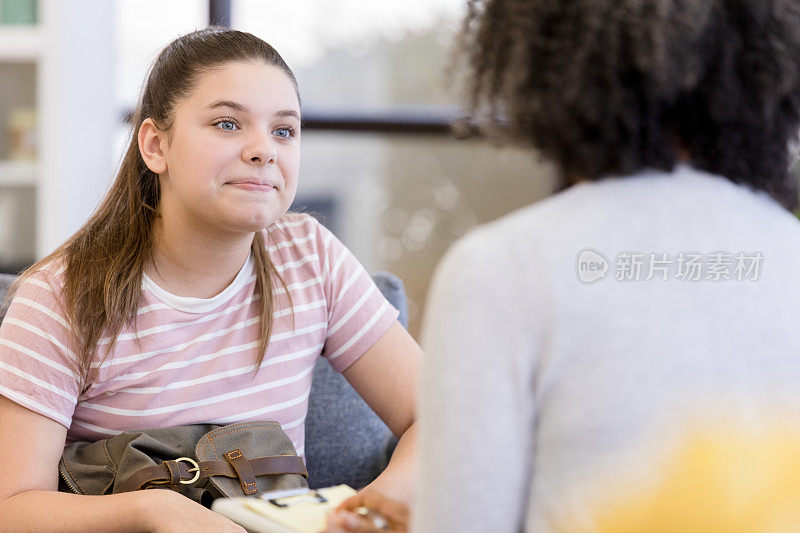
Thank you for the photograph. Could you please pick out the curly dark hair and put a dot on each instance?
(613, 86)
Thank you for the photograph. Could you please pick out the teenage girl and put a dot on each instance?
(191, 296)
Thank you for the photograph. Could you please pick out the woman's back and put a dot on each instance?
(587, 374)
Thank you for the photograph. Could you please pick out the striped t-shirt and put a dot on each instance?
(195, 358)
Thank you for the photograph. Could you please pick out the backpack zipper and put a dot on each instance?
(67, 479)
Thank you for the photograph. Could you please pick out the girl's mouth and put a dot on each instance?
(251, 185)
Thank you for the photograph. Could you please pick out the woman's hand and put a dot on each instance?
(166, 511)
(344, 519)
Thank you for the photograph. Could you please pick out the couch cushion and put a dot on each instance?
(5, 282)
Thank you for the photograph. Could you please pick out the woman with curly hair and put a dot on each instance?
(569, 341)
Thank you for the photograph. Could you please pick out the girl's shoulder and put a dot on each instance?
(295, 228)
(300, 239)
(41, 287)
(295, 222)
(49, 276)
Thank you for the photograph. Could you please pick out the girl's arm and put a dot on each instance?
(386, 378)
(30, 448)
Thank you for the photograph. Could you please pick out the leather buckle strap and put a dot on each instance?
(244, 471)
(190, 472)
(273, 464)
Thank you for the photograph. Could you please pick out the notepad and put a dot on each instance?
(300, 511)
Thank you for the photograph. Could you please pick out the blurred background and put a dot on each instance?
(380, 166)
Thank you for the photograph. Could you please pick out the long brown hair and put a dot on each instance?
(104, 260)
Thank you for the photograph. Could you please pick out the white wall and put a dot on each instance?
(77, 115)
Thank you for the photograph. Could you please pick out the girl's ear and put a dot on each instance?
(152, 143)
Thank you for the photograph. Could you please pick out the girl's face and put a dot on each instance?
(233, 155)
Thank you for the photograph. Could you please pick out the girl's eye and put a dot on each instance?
(226, 125)
(284, 133)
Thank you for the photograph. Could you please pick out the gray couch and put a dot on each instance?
(345, 441)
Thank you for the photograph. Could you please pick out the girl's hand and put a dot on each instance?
(166, 511)
(346, 520)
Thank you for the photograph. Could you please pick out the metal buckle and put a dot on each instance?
(194, 468)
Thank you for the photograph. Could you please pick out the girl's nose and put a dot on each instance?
(260, 150)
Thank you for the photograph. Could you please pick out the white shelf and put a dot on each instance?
(18, 173)
(20, 43)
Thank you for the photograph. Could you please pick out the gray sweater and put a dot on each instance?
(548, 382)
